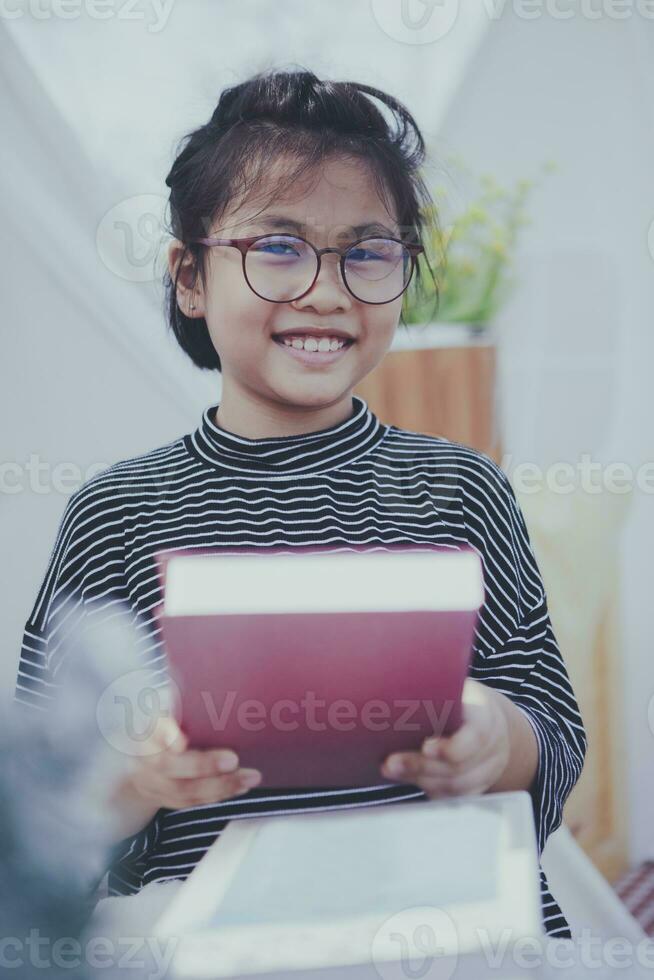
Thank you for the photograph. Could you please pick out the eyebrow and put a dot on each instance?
(280, 221)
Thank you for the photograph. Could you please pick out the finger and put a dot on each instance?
(436, 749)
(406, 766)
(194, 763)
(182, 793)
(472, 781)
(417, 767)
(169, 735)
(465, 744)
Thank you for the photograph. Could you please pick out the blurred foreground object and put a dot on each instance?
(57, 771)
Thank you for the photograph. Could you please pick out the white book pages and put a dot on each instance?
(201, 585)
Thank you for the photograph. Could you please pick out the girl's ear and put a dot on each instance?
(189, 292)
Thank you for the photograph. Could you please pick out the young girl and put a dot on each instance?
(297, 218)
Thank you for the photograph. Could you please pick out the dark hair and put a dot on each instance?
(303, 118)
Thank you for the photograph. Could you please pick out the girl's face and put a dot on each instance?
(258, 374)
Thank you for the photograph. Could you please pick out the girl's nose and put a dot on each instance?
(328, 291)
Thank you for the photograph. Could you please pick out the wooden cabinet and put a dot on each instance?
(447, 389)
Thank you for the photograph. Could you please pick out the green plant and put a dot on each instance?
(471, 253)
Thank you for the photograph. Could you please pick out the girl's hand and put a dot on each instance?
(470, 760)
(172, 776)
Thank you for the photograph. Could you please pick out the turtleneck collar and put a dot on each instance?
(308, 452)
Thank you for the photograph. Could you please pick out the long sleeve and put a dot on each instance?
(35, 686)
(543, 692)
(40, 675)
(525, 662)
(35, 682)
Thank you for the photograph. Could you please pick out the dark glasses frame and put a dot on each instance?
(244, 244)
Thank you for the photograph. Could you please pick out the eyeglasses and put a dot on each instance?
(283, 268)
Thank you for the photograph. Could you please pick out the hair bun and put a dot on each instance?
(228, 112)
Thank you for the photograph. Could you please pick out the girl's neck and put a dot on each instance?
(255, 418)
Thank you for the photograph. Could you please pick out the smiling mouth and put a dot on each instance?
(315, 345)
(313, 358)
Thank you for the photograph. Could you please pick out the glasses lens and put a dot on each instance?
(280, 267)
(378, 270)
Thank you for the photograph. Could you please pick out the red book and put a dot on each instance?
(314, 664)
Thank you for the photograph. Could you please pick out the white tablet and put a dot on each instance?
(377, 885)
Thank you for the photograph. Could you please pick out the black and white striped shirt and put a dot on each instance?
(360, 482)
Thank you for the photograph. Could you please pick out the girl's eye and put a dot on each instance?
(363, 255)
(276, 247)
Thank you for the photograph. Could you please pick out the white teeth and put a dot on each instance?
(312, 344)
